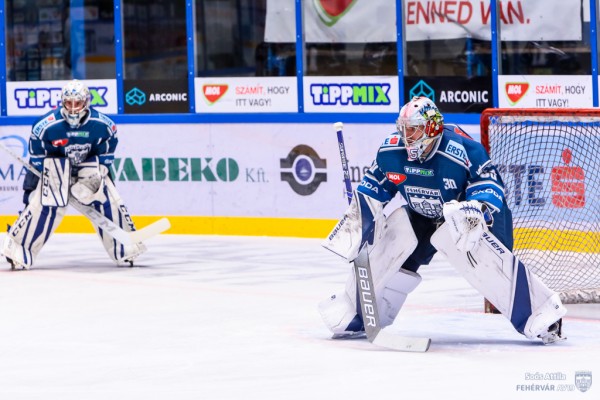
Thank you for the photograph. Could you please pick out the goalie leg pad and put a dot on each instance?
(392, 246)
(356, 226)
(395, 291)
(115, 210)
(31, 230)
(501, 278)
(56, 178)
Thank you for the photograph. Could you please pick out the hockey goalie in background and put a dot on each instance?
(72, 147)
(455, 204)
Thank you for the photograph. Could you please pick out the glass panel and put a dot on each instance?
(155, 39)
(59, 39)
(231, 39)
(448, 54)
(547, 48)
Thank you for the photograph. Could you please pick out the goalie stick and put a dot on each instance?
(365, 287)
(99, 220)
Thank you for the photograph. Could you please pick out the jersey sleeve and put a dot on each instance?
(485, 184)
(105, 149)
(37, 146)
(375, 185)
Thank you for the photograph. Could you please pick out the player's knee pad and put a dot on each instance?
(115, 210)
(31, 230)
(544, 316)
(394, 293)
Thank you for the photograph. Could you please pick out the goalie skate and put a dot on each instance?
(554, 333)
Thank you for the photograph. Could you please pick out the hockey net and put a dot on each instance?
(550, 164)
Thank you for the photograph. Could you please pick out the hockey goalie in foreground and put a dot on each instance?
(71, 148)
(455, 205)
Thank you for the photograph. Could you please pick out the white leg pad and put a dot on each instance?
(395, 291)
(501, 278)
(31, 230)
(115, 210)
(394, 242)
(545, 315)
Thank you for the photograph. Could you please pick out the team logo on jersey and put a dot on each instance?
(77, 153)
(425, 201)
(456, 150)
(60, 142)
(391, 141)
(418, 171)
(396, 177)
(515, 91)
(212, 93)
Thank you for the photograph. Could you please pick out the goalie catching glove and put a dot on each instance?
(89, 185)
(467, 221)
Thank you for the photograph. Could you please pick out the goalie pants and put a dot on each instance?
(425, 227)
(36, 223)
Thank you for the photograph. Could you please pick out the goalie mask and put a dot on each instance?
(75, 98)
(420, 124)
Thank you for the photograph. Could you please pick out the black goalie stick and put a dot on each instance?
(366, 289)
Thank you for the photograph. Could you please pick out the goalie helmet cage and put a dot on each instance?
(549, 162)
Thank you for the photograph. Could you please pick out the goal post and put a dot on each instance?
(549, 160)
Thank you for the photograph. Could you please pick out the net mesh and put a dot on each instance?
(551, 170)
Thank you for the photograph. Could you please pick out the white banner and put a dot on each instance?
(351, 94)
(520, 20)
(545, 91)
(247, 170)
(364, 21)
(39, 97)
(246, 95)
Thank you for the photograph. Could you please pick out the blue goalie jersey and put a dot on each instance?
(52, 136)
(458, 168)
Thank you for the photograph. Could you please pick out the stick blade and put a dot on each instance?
(155, 228)
(401, 343)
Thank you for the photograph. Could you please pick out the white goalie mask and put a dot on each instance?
(75, 98)
(420, 124)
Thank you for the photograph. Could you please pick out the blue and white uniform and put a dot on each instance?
(458, 168)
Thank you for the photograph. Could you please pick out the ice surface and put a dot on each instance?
(217, 317)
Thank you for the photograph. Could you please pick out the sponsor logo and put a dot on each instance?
(135, 97)
(12, 173)
(457, 151)
(175, 169)
(515, 91)
(50, 97)
(82, 134)
(212, 93)
(418, 171)
(303, 170)
(527, 183)
(60, 142)
(331, 11)
(372, 94)
(369, 186)
(391, 141)
(487, 191)
(421, 88)
(493, 243)
(396, 177)
(39, 127)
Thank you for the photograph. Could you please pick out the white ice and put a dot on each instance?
(217, 317)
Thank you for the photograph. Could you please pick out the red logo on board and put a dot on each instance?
(515, 91)
(212, 93)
